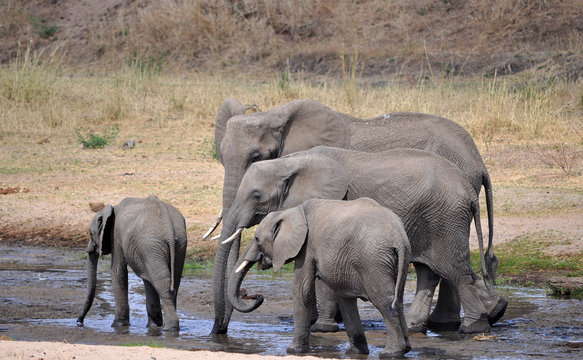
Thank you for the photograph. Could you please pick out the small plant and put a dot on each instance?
(349, 70)
(43, 29)
(93, 141)
(209, 149)
(561, 155)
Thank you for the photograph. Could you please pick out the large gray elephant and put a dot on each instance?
(358, 248)
(242, 139)
(431, 195)
(149, 235)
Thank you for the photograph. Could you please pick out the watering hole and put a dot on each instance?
(43, 289)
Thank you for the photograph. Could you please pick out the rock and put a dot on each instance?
(129, 144)
(96, 206)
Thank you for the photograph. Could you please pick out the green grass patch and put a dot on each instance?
(152, 344)
(526, 254)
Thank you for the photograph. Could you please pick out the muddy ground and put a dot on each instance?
(42, 291)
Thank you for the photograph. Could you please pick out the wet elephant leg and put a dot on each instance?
(327, 307)
(119, 278)
(153, 306)
(495, 304)
(418, 315)
(475, 315)
(446, 314)
(354, 329)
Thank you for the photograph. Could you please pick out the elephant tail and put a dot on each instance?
(478, 226)
(403, 258)
(491, 260)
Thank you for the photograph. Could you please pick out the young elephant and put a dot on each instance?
(149, 235)
(358, 248)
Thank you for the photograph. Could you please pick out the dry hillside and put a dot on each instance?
(388, 39)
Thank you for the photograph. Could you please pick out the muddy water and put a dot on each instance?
(42, 290)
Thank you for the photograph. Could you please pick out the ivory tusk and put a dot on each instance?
(232, 237)
(242, 266)
(216, 237)
(214, 226)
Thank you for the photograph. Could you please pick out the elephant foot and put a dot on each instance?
(171, 328)
(120, 322)
(388, 354)
(498, 311)
(357, 349)
(321, 326)
(420, 327)
(443, 326)
(297, 349)
(479, 326)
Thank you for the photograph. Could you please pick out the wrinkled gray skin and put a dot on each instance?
(430, 194)
(358, 248)
(242, 139)
(149, 235)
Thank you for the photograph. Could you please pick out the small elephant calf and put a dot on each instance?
(149, 235)
(358, 248)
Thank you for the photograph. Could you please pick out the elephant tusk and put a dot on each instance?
(214, 226)
(232, 237)
(216, 237)
(242, 266)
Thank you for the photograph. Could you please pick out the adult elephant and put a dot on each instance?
(242, 139)
(431, 195)
(149, 235)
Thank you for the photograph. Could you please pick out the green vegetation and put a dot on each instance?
(152, 344)
(526, 254)
(93, 141)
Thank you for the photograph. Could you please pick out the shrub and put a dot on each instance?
(93, 141)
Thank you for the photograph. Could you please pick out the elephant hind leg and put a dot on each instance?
(446, 315)
(354, 329)
(475, 315)
(495, 304)
(168, 300)
(397, 343)
(153, 305)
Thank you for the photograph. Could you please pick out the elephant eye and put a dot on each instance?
(255, 156)
(256, 195)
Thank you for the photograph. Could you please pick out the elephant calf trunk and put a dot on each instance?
(234, 289)
(92, 258)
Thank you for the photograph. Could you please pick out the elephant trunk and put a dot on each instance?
(225, 258)
(248, 259)
(92, 258)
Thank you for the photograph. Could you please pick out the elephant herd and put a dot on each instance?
(351, 201)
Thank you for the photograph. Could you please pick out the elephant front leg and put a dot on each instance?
(153, 306)
(446, 315)
(354, 329)
(304, 298)
(119, 278)
(327, 308)
(418, 315)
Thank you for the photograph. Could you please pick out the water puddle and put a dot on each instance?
(534, 325)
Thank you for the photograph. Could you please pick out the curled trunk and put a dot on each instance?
(249, 257)
(92, 258)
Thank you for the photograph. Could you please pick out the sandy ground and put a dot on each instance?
(60, 351)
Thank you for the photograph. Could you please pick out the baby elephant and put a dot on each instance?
(358, 248)
(149, 235)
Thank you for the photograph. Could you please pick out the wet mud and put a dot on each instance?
(42, 290)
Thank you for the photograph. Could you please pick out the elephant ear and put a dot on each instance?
(229, 108)
(289, 235)
(101, 229)
(312, 175)
(306, 123)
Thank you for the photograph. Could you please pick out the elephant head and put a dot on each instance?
(242, 139)
(100, 243)
(278, 239)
